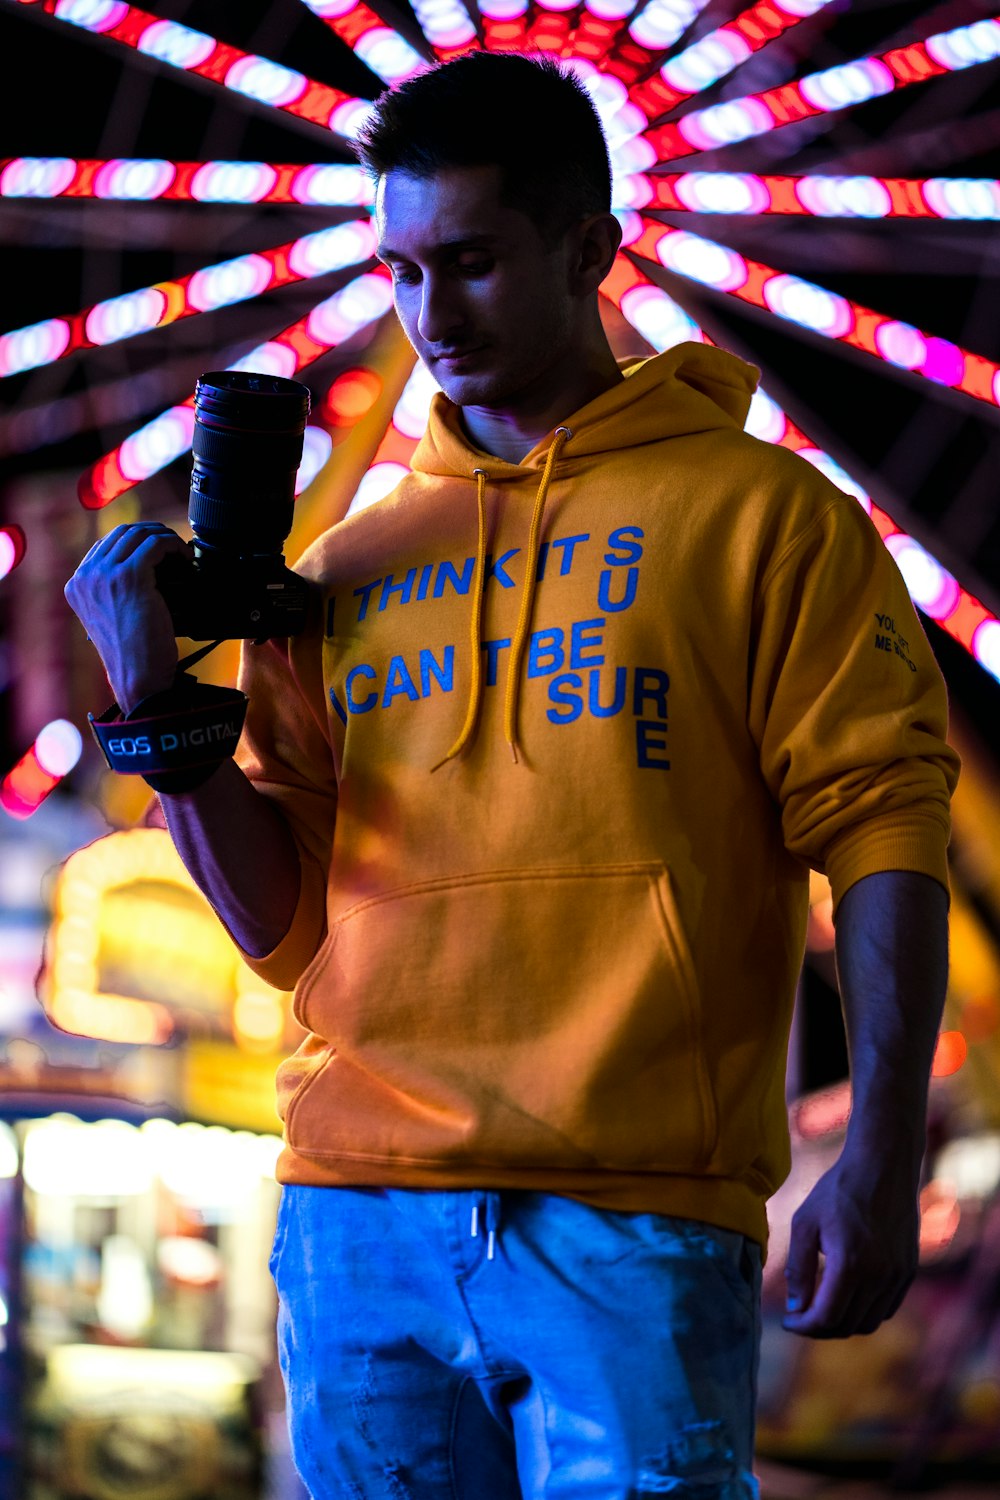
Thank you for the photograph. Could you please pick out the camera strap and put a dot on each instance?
(174, 739)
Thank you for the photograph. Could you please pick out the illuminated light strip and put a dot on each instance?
(598, 29)
(504, 24)
(814, 307)
(549, 24)
(719, 53)
(222, 285)
(957, 198)
(447, 26)
(393, 454)
(56, 750)
(381, 48)
(655, 315)
(156, 444)
(822, 93)
(650, 35)
(195, 52)
(144, 180)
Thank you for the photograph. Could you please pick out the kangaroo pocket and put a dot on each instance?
(530, 1018)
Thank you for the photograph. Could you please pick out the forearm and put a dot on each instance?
(892, 964)
(240, 853)
(862, 1216)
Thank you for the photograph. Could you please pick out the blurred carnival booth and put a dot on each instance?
(138, 1199)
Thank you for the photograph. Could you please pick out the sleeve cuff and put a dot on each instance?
(912, 841)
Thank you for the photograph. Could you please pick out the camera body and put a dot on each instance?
(221, 596)
(247, 448)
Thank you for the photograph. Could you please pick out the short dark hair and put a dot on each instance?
(527, 115)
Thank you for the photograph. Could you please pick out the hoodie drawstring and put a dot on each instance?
(491, 1206)
(528, 597)
(476, 626)
(562, 434)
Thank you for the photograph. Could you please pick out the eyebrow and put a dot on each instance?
(466, 242)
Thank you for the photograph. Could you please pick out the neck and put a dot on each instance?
(511, 431)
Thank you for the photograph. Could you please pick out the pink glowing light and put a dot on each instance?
(388, 55)
(655, 315)
(969, 198)
(821, 311)
(178, 46)
(832, 89)
(715, 55)
(221, 285)
(125, 180)
(156, 444)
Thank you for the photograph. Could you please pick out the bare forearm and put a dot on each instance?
(240, 853)
(892, 962)
(862, 1216)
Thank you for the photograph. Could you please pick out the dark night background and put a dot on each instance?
(928, 456)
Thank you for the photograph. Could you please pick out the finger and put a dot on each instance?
(847, 1304)
(144, 538)
(801, 1266)
(113, 540)
(830, 1303)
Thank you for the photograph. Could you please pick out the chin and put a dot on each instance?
(479, 388)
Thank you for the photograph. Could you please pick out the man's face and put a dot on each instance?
(484, 303)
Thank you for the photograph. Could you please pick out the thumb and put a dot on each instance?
(801, 1266)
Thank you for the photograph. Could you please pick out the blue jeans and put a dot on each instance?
(513, 1346)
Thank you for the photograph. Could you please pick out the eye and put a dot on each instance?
(404, 275)
(477, 267)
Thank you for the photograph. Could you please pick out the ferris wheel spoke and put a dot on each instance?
(657, 317)
(716, 55)
(650, 37)
(380, 47)
(147, 180)
(447, 27)
(363, 300)
(815, 195)
(504, 24)
(903, 349)
(206, 290)
(828, 91)
(196, 54)
(393, 454)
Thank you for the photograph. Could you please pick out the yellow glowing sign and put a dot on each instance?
(135, 951)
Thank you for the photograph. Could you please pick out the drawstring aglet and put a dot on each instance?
(513, 754)
(491, 1244)
(474, 1231)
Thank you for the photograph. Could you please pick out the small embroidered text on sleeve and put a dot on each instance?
(887, 638)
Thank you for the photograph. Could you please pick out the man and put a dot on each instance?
(526, 816)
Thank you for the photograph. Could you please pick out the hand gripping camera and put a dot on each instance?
(247, 447)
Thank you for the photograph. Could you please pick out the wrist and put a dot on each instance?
(138, 691)
(176, 738)
(897, 1141)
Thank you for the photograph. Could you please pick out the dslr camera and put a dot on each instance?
(247, 446)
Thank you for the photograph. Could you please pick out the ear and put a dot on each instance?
(595, 244)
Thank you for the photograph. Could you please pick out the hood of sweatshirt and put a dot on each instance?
(689, 389)
(692, 388)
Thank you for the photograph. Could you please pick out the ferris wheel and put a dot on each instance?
(749, 146)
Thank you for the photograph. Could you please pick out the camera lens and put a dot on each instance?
(247, 449)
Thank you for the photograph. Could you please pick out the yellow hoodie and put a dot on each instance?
(555, 830)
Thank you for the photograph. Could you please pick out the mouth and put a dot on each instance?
(455, 359)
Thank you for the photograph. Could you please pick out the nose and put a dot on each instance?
(441, 314)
